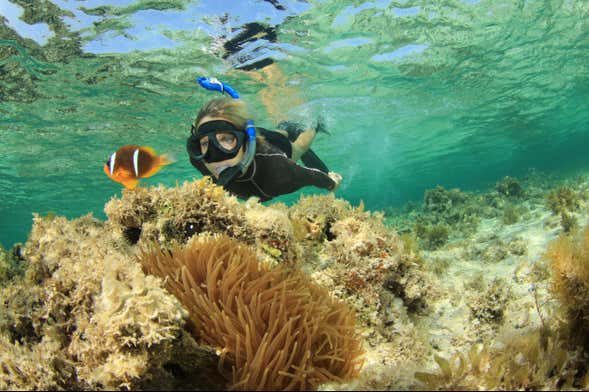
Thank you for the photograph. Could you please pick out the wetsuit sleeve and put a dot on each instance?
(285, 176)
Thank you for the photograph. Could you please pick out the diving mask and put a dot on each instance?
(215, 141)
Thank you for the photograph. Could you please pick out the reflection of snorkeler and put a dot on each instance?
(265, 166)
(249, 52)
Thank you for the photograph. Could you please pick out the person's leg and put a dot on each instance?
(302, 143)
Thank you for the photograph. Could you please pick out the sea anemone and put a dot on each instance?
(276, 328)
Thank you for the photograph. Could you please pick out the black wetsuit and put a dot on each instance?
(272, 173)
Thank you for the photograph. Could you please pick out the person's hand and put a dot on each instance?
(336, 178)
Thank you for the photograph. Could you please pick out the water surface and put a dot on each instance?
(415, 93)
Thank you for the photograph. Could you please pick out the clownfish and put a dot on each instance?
(130, 163)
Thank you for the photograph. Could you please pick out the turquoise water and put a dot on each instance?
(415, 93)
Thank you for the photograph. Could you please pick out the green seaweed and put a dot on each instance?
(533, 361)
(568, 222)
(432, 236)
(442, 200)
(12, 265)
(510, 215)
(569, 262)
(563, 199)
(509, 187)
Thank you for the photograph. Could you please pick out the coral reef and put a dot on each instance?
(470, 284)
(343, 248)
(274, 233)
(361, 261)
(173, 215)
(313, 216)
(84, 316)
(278, 330)
(442, 200)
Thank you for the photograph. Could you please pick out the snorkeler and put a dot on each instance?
(250, 161)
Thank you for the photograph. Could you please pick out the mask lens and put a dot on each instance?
(227, 141)
(203, 145)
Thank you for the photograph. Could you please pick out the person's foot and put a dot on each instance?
(320, 127)
(336, 178)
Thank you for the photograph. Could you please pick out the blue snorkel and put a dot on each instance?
(214, 84)
(228, 174)
(250, 131)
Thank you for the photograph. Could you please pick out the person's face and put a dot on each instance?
(226, 140)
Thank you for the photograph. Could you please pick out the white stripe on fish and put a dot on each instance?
(136, 162)
(113, 157)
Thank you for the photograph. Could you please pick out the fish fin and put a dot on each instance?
(130, 184)
(162, 160)
(149, 150)
(167, 159)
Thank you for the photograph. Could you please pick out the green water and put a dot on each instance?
(415, 94)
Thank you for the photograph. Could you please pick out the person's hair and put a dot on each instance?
(234, 111)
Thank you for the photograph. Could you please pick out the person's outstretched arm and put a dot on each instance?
(281, 175)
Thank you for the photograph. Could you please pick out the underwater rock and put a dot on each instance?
(84, 316)
(489, 303)
(313, 216)
(174, 215)
(274, 233)
(363, 262)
